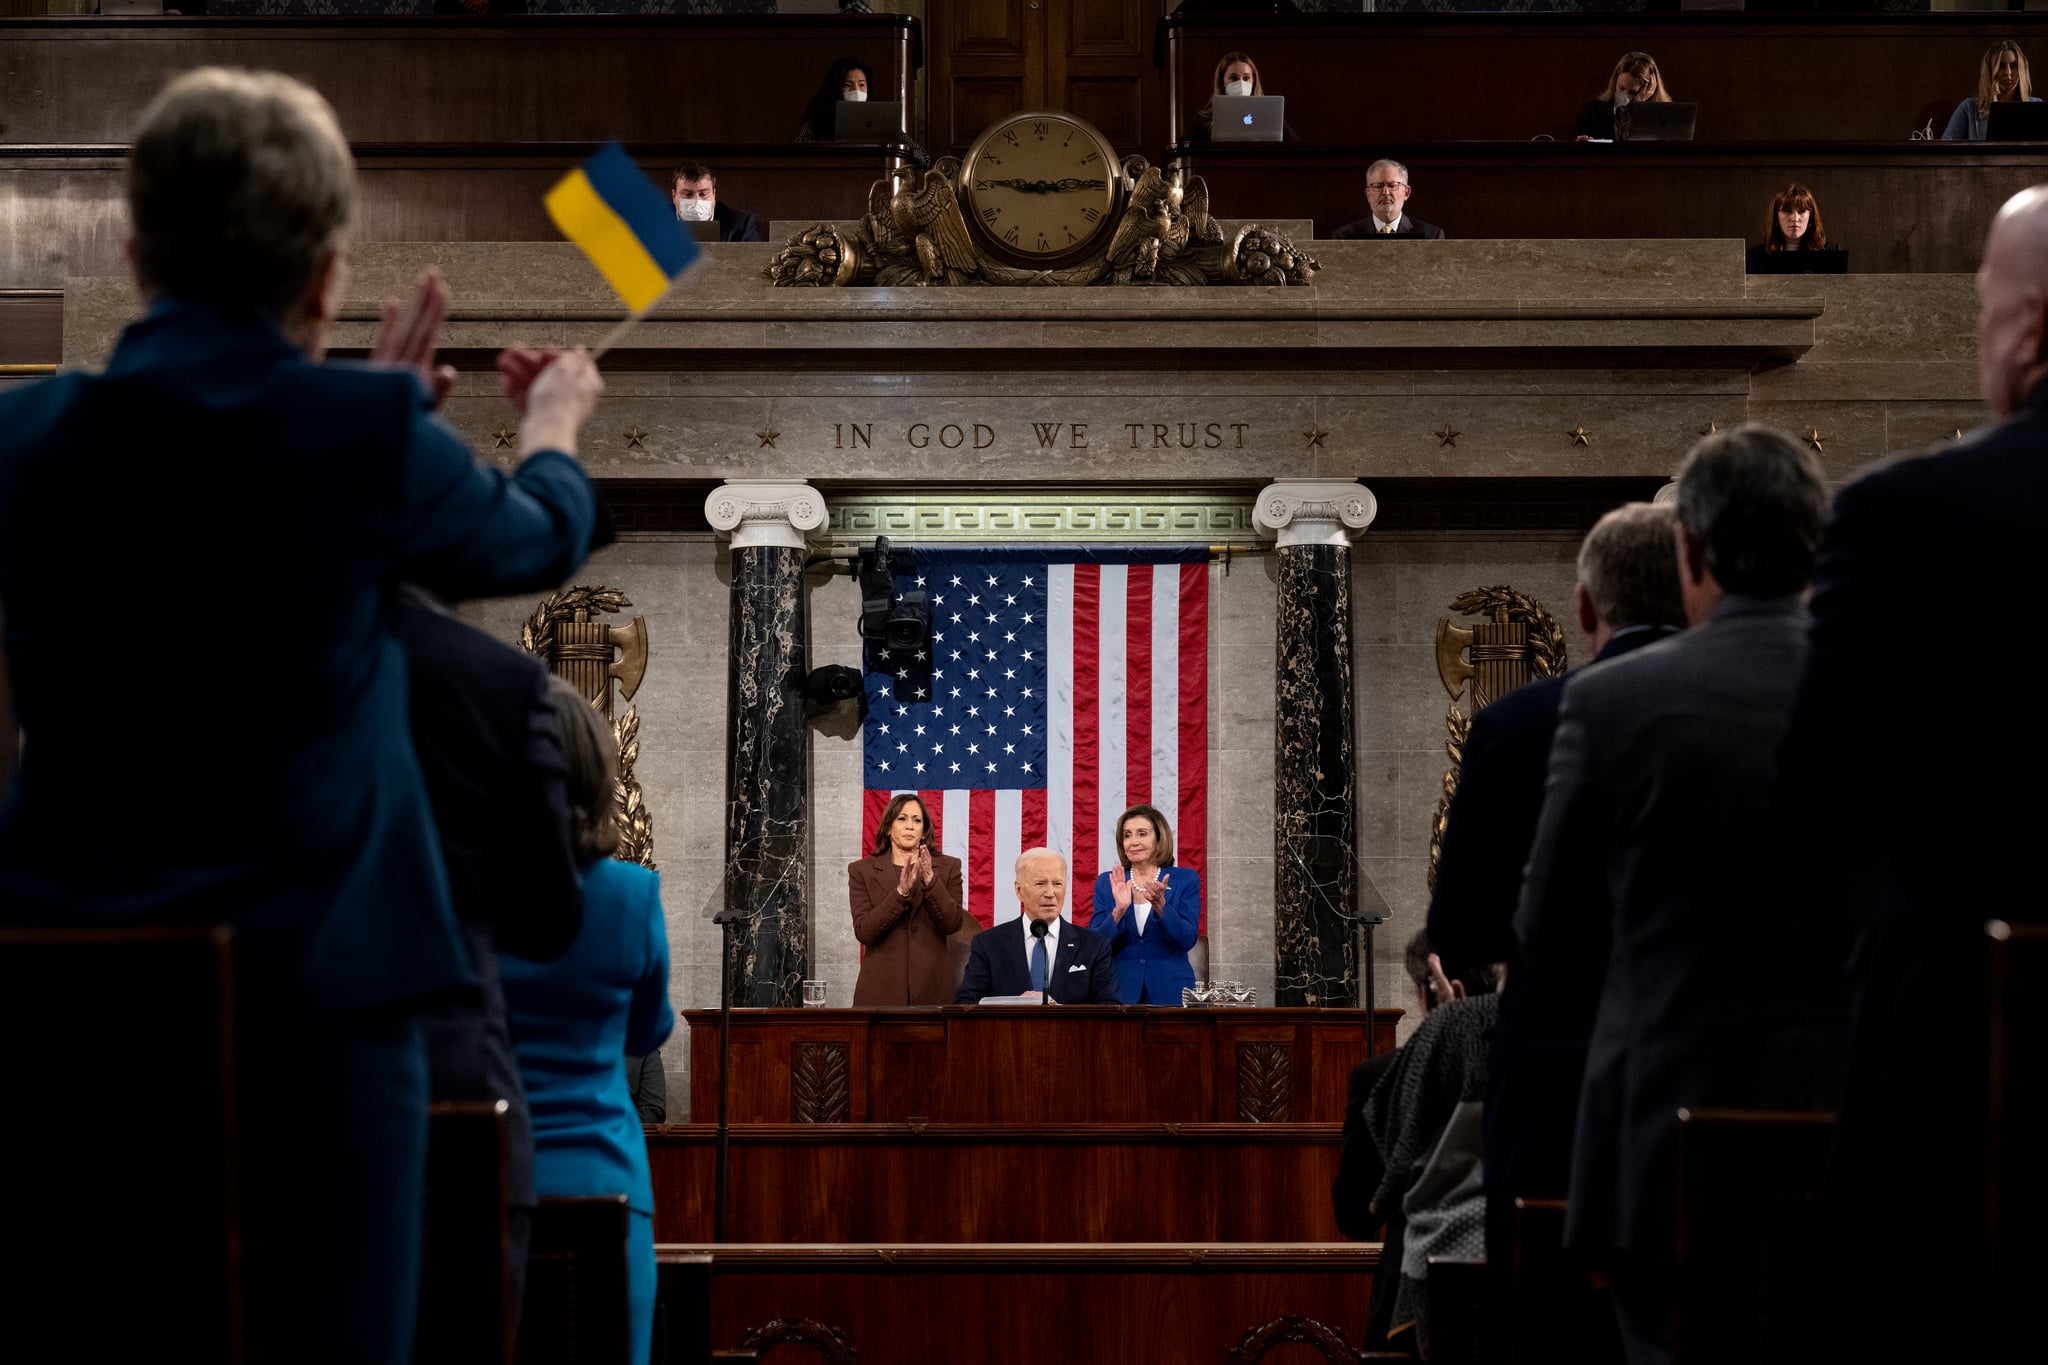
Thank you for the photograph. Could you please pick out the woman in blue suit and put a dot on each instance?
(1150, 915)
(574, 1019)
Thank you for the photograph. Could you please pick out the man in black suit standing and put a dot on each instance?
(1060, 959)
(1658, 800)
(1917, 801)
(1386, 194)
(695, 194)
(1626, 597)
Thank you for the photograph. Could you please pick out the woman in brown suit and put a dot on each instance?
(906, 906)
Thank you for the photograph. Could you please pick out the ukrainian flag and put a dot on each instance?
(613, 211)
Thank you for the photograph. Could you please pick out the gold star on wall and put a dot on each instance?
(767, 437)
(636, 439)
(1710, 428)
(1580, 436)
(1958, 435)
(1814, 439)
(504, 437)
(1314, 436)
(1448, 436)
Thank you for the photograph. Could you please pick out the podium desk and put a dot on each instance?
(1021, 1064)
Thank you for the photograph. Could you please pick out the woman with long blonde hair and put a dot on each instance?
(2002, 77)
(1634, 80)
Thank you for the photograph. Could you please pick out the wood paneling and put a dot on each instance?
(520, 78)
(1019, 1305)
(1075, 1064)
(62, 212)
(1090, 57)
(1898, 208)
(1441, 78)
(805, 1183)
(31, 330)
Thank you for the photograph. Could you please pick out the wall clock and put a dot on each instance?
(1041, 189)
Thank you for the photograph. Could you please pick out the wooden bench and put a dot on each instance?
(2018, 1186)
(466, 1314)
(1553, 1310)
(576, 1310)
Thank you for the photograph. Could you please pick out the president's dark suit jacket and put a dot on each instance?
(1539, 1042)
(1657, 797)
(1367, 229)
(253, 515)
(1919, 798)
(491, 751)
(1082, 971)
(734, 225)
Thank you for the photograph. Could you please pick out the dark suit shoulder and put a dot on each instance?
(1530, 707)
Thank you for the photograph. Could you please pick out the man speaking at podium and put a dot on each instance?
(1055, 958)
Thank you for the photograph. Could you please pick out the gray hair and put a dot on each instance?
(1388, 161)
(1628, 565)
(239, 184)
(1755, 498)
(1031, 853)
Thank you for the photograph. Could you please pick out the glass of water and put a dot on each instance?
(814, 995)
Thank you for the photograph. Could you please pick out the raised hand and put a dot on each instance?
(559, 400)
(406, 338)
(924, 863)
(905, 875)
(1119, 892)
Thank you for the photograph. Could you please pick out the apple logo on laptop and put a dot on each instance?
(1247, 120)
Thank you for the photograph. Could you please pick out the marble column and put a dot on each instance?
(1315, 850)
(767, 748)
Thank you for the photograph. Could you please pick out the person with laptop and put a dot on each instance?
(2002, 78)
(1386, 194)
(1611, 115)
(1795, 243)
(835, 108)
(1247, 112)
(695, 192)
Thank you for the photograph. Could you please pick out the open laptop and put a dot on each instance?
(1654, 122)
(1248, 118)
(868, 121)
(2017, 123)
(1800, 263)
(705, 231)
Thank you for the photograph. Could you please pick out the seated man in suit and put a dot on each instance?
(696, 199)
(1056, 958)
(1386, 194)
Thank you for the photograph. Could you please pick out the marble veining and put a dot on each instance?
(767, 778)
(1315, 872)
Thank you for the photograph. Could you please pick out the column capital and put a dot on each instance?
(1315, 511)
(1667, 494)
(779, 514)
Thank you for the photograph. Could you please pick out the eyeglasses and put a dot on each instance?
(1388, 185)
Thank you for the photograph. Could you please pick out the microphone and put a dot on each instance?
(1039, 929)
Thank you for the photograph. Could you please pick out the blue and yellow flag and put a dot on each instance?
(612, 210)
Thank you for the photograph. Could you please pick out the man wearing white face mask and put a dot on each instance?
(1386, 194)
(695, 194)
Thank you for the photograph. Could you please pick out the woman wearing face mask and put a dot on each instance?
(2001, 77)
(1794, 226)
(1149, 910)
(846, 81)
(1236, 74)
(1635, 80)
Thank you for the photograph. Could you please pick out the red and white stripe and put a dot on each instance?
(1127, 672)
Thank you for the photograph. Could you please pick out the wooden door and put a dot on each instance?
(1089, 57)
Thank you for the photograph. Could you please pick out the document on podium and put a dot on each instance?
(1030, 998)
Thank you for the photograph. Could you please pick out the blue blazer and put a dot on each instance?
(575, 1018)
(242, 518)
(1151, 968)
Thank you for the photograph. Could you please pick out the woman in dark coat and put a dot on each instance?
(906, 910)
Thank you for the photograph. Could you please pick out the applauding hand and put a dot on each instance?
(1120, 890)
(923, 863)
(406, 338)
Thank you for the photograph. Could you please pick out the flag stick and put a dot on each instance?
(618, 333)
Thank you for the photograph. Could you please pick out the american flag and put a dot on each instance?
(1061, 686)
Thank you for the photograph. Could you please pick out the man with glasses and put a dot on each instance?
(1386, 194)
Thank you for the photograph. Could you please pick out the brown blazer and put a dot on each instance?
(908, 938)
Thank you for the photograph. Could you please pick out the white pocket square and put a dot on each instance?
(1078, 967)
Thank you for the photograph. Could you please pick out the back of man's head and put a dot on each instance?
(239, 183)
(1753, 498)
(1628, 567)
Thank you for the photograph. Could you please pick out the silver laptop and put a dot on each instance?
(868, 121)
(1669, 122)
(1248, 118)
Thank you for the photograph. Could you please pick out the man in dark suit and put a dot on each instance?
(695, 192)
(491, 753)
(1917, 803)
(1658, 797)
(1386, 194)
(1066, 962)
(1626, 598)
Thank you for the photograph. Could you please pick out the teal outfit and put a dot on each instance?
(574, 1020)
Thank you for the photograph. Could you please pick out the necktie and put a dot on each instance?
(1038, 964)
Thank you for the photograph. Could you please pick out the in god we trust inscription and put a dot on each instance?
(1047, 436)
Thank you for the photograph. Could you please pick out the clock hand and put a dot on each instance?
(1047, 186)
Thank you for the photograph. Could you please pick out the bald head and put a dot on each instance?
(2012, 293)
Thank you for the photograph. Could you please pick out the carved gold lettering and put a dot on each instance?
(919, 436)
(984, 436)
(1239, 427)
(1077, 436)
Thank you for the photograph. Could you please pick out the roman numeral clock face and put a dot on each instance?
(1041, 189)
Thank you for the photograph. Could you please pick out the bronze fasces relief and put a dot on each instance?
(606, 664)
(1519, 641)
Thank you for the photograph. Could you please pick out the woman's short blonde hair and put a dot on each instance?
(591, 753)
(1987, 87)
(1643, 67)
(239, 184)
